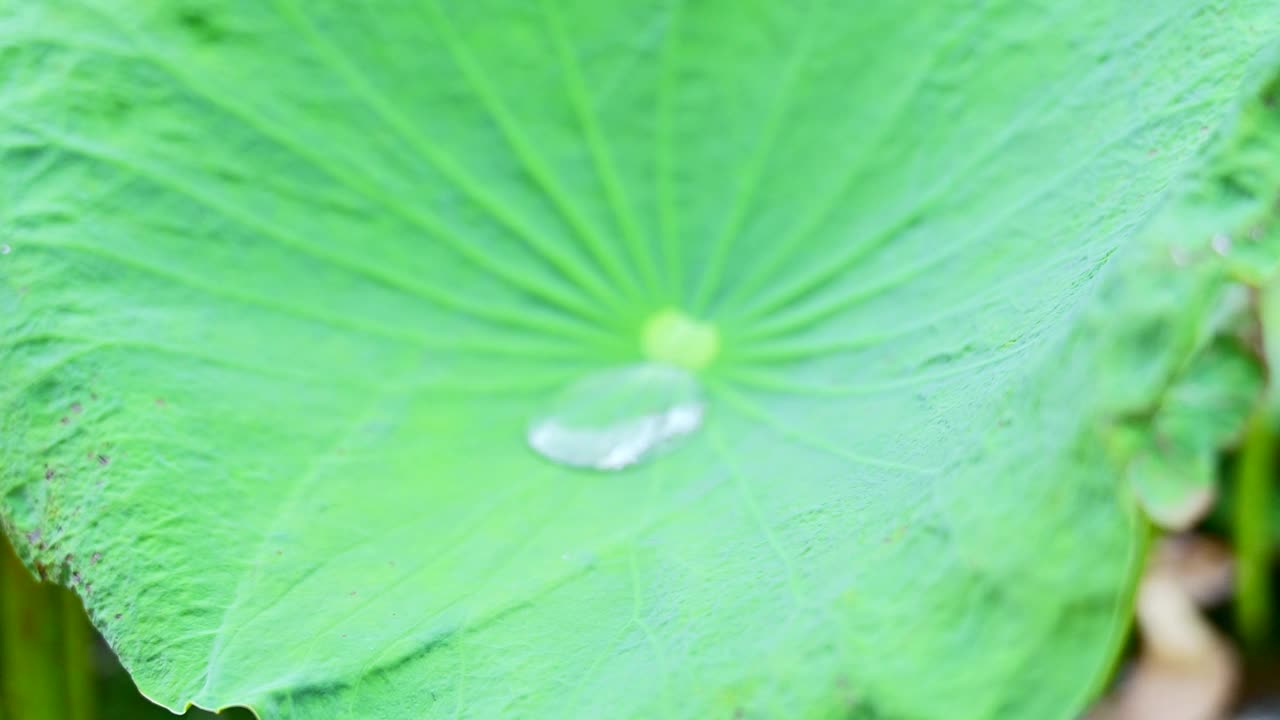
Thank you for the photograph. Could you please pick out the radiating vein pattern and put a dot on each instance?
(284, 284)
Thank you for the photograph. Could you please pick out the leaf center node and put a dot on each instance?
(671, 336)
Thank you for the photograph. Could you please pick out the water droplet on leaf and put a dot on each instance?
(617, 417)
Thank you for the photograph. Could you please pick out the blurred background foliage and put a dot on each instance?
(55, 666)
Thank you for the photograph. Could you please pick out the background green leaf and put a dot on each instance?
(285, 282)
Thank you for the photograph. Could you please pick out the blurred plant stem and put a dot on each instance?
(1252, 533)
(45, 644)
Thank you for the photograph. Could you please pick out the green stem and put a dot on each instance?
(1253, 534)
(45, 648)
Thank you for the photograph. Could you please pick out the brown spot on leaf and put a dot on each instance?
(103, 460)
(77, 407)
(93, 559)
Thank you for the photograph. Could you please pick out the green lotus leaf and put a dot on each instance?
(287, 288)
